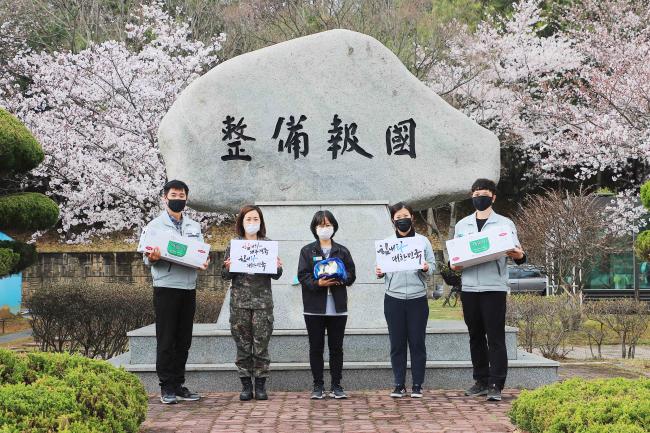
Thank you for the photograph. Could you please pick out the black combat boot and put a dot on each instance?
(260, 389)
(246, 389)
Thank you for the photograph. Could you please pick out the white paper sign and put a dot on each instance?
(254, 257)
(402, 254)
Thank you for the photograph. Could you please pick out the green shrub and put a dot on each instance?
(581, 406)
(642, 245)
(27, 211)
(26, 252)
(8, 261)
(19, 153)
(645, 195)
(94, 318)
(46, 392)
(19, 150)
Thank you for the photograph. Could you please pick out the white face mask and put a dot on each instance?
(324, 233)
(251, 229)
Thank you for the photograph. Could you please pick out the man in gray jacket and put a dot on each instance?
(174, 297)
(484, 291)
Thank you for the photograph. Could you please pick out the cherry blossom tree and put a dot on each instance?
(575, 103)
(497, 74)
(96, 113)
(573, 99)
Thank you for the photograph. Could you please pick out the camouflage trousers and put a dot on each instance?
(252, 329)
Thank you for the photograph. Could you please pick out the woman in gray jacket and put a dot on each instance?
(406, 308)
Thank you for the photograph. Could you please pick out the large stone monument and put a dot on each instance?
(335, 121)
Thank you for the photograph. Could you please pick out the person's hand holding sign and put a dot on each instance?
(279, 263)
(226, 263)
(516, 253)
(153, 256)
(425, 267)
(379, 272)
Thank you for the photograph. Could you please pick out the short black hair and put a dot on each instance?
(319, 218)
(175, 184)
(398, 207)
(486, 184)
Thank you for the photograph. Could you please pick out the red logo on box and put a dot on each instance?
(503, 234)
(148, 248)
(201, 251)
(455, 259)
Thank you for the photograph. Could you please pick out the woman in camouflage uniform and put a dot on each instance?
(251, 310)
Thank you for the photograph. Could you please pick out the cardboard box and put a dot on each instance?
(480, 247)
(174, 247)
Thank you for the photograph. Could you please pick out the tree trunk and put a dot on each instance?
(452, 228)
(431, 223)
(452, 220)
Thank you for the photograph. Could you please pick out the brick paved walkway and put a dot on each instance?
(364, 412)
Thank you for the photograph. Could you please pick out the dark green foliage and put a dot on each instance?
(19, 150)
(645, 195)
(19, 153)
(642, 245)
(27, 254)
(27, 211)
(46, 392)
(582, 406)
(8, 260)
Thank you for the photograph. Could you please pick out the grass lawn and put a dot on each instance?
(21, 345)
(13, 323)
(637, 364)
(438, 312)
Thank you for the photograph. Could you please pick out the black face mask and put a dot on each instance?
(482, 202)
(176, 205)
(404, 225)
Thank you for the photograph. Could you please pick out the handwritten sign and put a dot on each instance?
(403, 254)
(254, 257)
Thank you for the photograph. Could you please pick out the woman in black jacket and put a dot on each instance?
(325, 302)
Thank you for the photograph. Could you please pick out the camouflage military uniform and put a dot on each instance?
(251, 319)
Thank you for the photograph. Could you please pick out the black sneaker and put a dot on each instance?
(494, 393)
(479, 388)
(416, 392)
(318, 392)
(168, 397)
(183, 393)
(398, 392)
(337, 392)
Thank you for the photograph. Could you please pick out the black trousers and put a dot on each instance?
(174, 309)
(485, 316)
(407, 327)
(335, 326)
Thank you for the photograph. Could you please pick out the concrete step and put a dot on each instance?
(446, 341)
(527, 371)
(365, 307)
